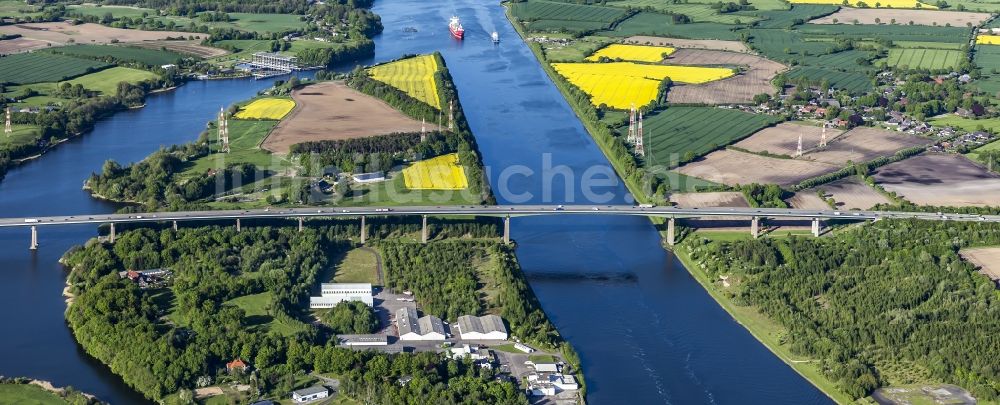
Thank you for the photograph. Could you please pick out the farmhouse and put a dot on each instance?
(411, 327)
(332, 294)
(488, 327)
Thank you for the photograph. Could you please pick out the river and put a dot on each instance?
(645, 330)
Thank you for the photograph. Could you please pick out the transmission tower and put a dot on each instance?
(7, 128)
(423, 129)
(631, 125)
(822, 140)
(640, 149)
(798, 150)
(451, 115)
(223, 131)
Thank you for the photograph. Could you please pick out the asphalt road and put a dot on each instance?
(492, 210)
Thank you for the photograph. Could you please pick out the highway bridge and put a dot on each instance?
(504, 211)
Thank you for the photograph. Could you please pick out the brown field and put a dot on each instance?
(851, 193)
(734, 46)
(755, 77)
(863, 144)
(18, 45)
(186, 47)
(919, 17)
(705, 200)
(807, 200)
(941, 180)
(988, 260)
(63, 33)
(732, 167)
(783, 139)
(330, 111)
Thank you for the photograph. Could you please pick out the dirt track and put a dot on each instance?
(783, 139)
(705, 200)
(62, 33)
(18, 45)
(331, 110)
(919, 17)
(753, 80)
(941, 180)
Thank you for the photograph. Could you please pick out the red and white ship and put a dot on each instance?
(456, 28)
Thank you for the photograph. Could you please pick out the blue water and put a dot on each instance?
(645, 330)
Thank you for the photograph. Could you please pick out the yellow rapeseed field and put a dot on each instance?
(638, 53)
(987, 39)
(870, 3)
(439, 173)
(621, 84)
(266, 109)
(414, 76)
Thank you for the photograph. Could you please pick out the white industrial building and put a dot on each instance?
(332, 294)
(364, 340)
(310, 394)
(487, 327)
(411, 327)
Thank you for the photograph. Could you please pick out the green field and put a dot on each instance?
(988, 58)
(576, 51)
(28, 394)
(698, 12)
(355, 266)
(787, 46)
(244, 136)
(17, 8)
(39, 67)
(251, 22)
(928, 45)
(106, 81)
(913, 33)
(933, 59)
(661, 25)
(22, 135)
(259, 314)
(150, 57)
(678, 131)
(548, 15)
(854, 82)
(785, 19)
(974, 155)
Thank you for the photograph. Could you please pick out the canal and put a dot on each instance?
(645, 330)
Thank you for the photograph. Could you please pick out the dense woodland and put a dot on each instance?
(181, 336)
(889, 303)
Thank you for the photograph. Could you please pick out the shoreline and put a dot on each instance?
(810, 374)
(46, 385)
(804, 367)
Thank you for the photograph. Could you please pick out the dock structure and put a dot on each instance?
(269, 64)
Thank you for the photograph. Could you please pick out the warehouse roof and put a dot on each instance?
(481, 324)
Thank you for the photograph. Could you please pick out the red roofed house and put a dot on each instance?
(237, 364)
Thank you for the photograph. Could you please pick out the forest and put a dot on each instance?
(244, 294)
(886, 304)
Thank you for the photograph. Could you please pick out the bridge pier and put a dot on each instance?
(506, 229)
(175, 226)
(301, 226)
(238, 225)
(34, 238)
(111, 236)
(670, 231)
(423, 230)
(364, 230)
(815, 227)
(755, 227)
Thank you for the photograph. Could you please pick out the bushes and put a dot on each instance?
(350, 317)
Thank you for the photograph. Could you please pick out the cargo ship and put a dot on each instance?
(456, 28)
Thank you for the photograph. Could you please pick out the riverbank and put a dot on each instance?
(765, 330)
(20, 390)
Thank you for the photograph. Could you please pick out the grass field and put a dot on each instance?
(549, 15)
(637, 53)
(251, 22)
(883, 3)
(438, 173)
(676, 131)
(622, 84)
(266, 109)
(974, 155)
(662, 25)
(698, 12)
(898, 32)
(356, 266)
(22, 135)
(933, 59)
(854, 82)
(39, 67)
(988, 57)
(28, 394)
(414, 76)
(150, 57)
(244, 136)
(928, 45)
(259, 314)
(106, 81)
(786, 18)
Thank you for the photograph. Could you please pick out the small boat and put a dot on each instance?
(456, 29)
(495, 37)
